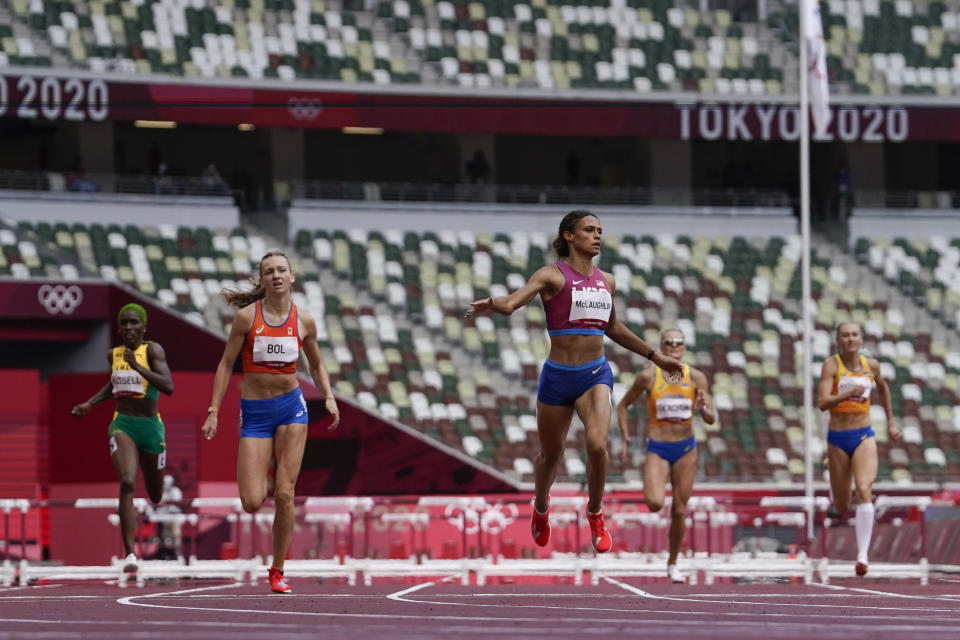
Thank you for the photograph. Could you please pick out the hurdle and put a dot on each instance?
(758, 565)
(302, 568)
(921, 570)
(415, 565)
(569, 565)
(31, 572)
(625, 564)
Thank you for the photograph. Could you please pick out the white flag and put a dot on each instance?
(816, 65)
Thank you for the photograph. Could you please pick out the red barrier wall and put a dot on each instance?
(23, 448)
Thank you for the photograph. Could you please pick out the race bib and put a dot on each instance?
(674, 409)
(126, 383)
(592, 304)
(275, 351)
(849, 382)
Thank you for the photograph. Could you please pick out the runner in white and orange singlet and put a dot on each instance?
(671, 445)
(846, 381)
(268, 333)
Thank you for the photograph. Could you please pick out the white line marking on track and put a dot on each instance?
(645, 594)
(399, 594)
(670, 618)
(883, 593)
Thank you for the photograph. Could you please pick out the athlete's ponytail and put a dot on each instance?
(239, 299)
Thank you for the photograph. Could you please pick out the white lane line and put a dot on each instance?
(837, 587)
(129, 599)
(646, 594)
(670, 618)
(399, 594)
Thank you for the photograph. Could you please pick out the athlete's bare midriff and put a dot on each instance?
(676, 432)
(260, 386)
(137, 407)
(847, 421)
(575, 349)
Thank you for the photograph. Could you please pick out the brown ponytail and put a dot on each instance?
(239, 299)
(568, 223)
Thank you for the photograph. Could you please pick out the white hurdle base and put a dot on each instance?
(328, 568)
(750, 566)
(560, 566)
(42, 571)
(643, 565)
(460, 568)
(173, 569)
(827, 570)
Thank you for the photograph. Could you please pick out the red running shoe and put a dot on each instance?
(861, 569)
(277, 583)
(602, 542)
(540, 527)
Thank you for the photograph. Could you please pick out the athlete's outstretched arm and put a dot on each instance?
(104, 394)
(242, 323)
(703, 402)
(548, 279)
(315, 364)
(619, 333)
(884, 392)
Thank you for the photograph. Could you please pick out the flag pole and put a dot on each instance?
(805, 263)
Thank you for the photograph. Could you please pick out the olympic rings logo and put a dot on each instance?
(304, 108)
(494, 519)
(60, 298)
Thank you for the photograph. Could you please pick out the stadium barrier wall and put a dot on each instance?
(491, 217)
(122, 209)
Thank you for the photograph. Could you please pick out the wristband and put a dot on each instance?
(650, 355)
(212, 409)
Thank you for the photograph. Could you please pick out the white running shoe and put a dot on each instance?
(675, 575)
(130, 563)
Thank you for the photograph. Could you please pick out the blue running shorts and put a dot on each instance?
(672, 451)
(260, 418)
(561, 384)
(850, 439)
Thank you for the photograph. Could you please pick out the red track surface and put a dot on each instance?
(195, 610)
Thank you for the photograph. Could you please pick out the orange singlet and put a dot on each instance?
(671, 403)
(845, 379)
(272, 349)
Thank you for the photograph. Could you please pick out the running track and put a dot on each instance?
(201, 610)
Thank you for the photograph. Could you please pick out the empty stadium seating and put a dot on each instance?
(879, 47)
(626, 44)
(393, 337)
(884, 47)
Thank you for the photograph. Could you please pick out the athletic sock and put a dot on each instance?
(864, 529)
